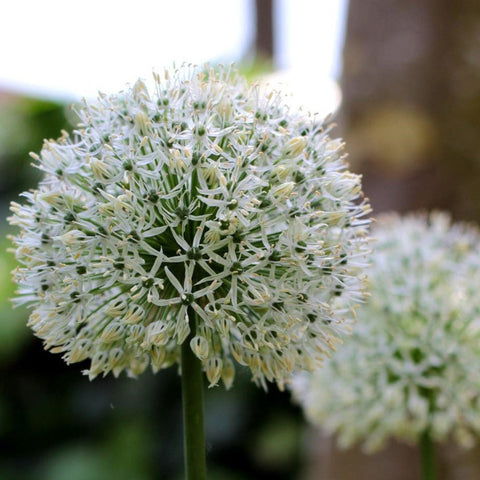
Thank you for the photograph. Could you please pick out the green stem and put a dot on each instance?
(427, 456)
(192, 393)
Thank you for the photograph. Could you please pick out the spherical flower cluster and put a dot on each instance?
(202, 211)
(413, 363)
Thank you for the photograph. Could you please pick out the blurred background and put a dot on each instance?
(402, 78)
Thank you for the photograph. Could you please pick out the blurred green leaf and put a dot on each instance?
(13, 329)
(122, 456)
(78, 462)
(277, 443)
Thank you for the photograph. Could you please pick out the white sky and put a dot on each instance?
(311, 35)
(68, 49)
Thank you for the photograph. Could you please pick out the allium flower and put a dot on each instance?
(202, 198)
(413, 363)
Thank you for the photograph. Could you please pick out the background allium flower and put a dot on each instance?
(413, 363)
(203, 196)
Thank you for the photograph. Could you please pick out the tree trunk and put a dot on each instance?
(264, 33)
(411, 110)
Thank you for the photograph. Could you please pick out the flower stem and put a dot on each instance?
(192, 393)
(427, 456)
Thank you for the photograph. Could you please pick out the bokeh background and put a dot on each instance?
(402, 78)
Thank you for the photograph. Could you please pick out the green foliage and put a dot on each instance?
(13, 330)
(276, 444)
(123, 456)
(24, 124)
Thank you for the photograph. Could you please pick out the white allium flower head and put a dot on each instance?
(203, 199)
(413, 363)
